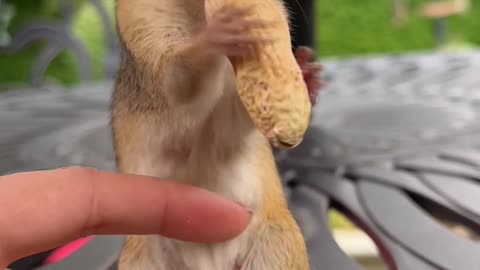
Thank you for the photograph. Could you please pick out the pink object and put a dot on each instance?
(67, 250)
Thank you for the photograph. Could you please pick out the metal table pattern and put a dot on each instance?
(393, 144)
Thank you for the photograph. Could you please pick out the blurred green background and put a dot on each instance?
(344, 28)
(347, 27)
(86, 25)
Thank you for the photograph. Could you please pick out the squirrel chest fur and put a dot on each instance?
(176, 115)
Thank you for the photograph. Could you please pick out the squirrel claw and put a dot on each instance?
(311, 71)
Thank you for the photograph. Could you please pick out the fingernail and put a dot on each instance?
(246, 208)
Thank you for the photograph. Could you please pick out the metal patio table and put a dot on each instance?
(393, 143)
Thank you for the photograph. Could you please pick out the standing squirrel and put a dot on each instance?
(176, 115)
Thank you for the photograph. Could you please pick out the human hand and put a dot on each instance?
(45, 209)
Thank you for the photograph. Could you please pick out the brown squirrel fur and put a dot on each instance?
(176, 115)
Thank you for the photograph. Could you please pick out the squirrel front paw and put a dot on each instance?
(311, 71)
(228, 32)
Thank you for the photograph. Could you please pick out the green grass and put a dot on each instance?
(364, 27)
(361, 27)
(338, 221)
(93, 38)
(15, 68)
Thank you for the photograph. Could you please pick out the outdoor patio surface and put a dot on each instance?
(415, 102)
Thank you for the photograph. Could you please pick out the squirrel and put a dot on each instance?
(175, 114)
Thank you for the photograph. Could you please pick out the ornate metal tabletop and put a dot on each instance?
(393, 145)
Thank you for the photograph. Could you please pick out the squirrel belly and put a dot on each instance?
(176, 115)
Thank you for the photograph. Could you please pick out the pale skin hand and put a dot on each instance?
(46, 209)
